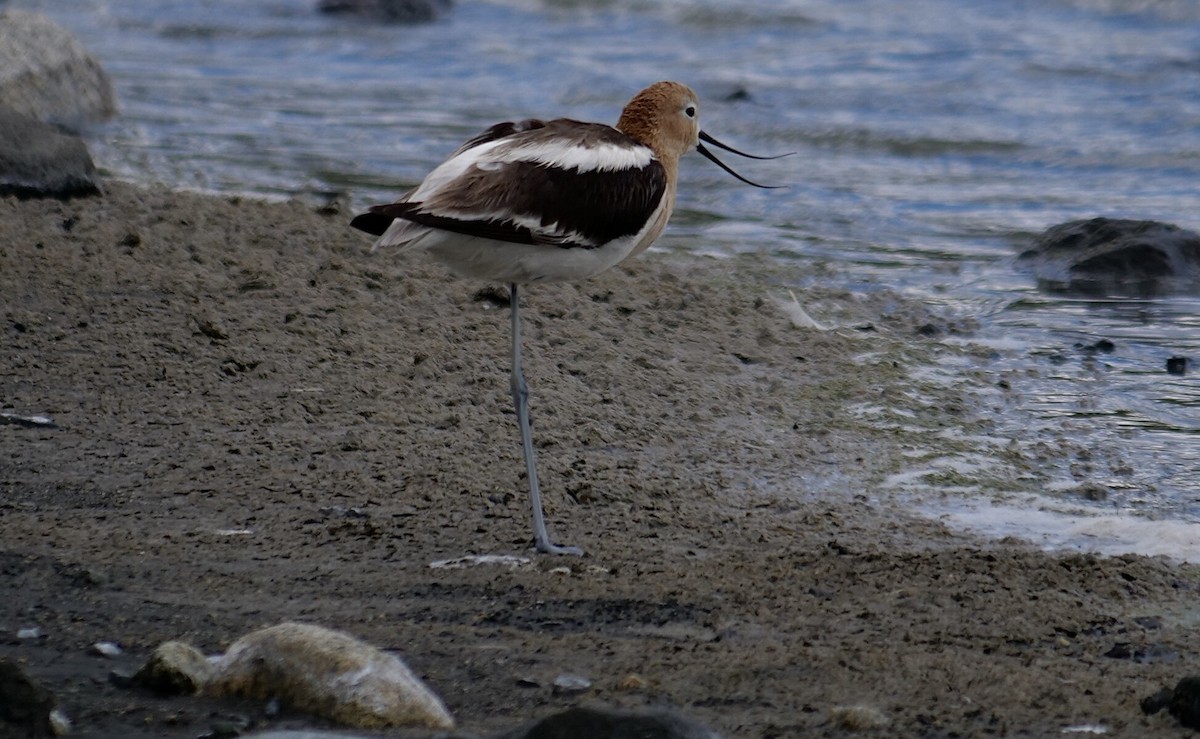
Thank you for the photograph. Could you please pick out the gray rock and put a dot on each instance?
(389, 11)
(567, 684)
(46, 74)
(329, 674)
(1119, 257)
(605, 723)
(41, 160)
(175, 668)
(25, 706)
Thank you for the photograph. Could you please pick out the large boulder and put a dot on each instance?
(46, 74)
(1116, 257)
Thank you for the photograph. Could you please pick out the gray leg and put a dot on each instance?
(520, 394)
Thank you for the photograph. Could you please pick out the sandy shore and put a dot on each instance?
(258, 421)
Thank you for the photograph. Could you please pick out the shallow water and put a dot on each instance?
(933, 138)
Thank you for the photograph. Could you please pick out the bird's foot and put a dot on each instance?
(545, 547)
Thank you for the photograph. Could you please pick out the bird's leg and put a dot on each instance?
(520, 394)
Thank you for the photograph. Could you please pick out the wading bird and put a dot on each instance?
(544, 201)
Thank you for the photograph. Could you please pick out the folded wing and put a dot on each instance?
(560, 183)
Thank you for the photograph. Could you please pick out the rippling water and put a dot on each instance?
(934, 139)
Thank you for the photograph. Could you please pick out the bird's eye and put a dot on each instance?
(690, 111)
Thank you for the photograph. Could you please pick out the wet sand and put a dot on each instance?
(258, 421)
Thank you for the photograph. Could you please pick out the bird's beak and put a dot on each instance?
(709, 155)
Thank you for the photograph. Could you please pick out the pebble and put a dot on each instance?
(59, 723)
(174, 668)
(106, 649)
(632, 682)
(859, 718)
(607, 723)
(568, 684)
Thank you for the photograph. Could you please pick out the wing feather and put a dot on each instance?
(561, 183)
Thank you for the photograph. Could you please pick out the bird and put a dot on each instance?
(535, 201)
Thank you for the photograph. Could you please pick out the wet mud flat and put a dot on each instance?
(256, 420)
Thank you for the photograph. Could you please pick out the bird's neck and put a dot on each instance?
(637, 123)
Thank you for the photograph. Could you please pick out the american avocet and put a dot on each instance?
(542, 201)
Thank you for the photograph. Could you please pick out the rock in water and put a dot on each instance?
(602, 723)
(329, 674)
(389, 11)
(46, 74)
(25, 706)
(175, 668)
(1112, 256)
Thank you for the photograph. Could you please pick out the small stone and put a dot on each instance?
(175, 668)
(59, 723)
(858, 718)
(105, 649)
(1152, 704)
(1093, 491)
(568, 684)
(32, 632)
(632, 682)
(604, 722)
(229, 726)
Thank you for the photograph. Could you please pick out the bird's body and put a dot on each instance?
(536, 202)
(542, 201)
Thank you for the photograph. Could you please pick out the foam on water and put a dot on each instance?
(1065, 528)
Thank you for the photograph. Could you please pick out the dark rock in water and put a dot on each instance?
(1103, 346)
(602, 723)
(1110, 256)
(25, 706)
(40, 160)
(389, 11)
(1177, 365)
(1183, 702)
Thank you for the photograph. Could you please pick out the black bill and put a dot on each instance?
(709, 155)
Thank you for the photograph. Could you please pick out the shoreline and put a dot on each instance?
(222, 364)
